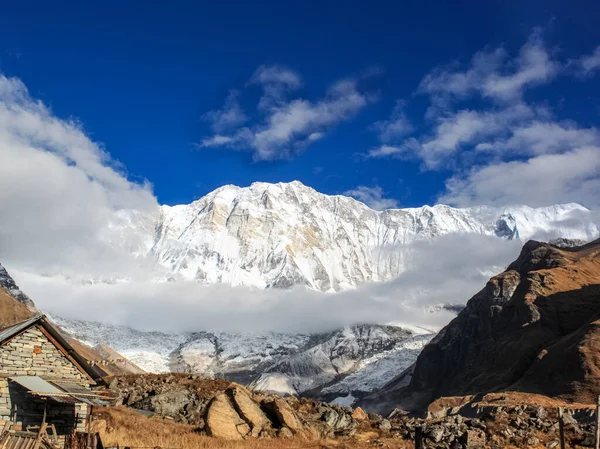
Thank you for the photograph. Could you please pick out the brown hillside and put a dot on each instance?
(12, 311)
(534, 328)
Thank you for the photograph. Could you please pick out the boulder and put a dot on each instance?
(249, 410)
(284, 414)
(360, 414)
(285, 432)
(170, 404)
(385, 425)
(473, 439)
(222, 421)
(436, 434)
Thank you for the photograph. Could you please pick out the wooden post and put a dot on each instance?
(597, 435)
(45, 406)
(40, 435)
(561, 428)
(419, 437)
(88, 438)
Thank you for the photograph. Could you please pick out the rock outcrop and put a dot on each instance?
(533, 328)
(222, 421)
(249, 410)
(9, 284)
(230, 411)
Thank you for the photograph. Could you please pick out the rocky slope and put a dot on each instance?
(7, 283)
(229, 411)
(344, 364)
(280, 235)
(533, 328)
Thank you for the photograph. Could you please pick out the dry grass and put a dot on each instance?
(126, 427)
(13, 311)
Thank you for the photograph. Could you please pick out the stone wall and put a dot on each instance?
(33, 354)
(19, 357)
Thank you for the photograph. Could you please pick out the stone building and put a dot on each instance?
(44, 380)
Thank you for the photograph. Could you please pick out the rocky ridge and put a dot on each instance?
(534, 328)
(230, 411)
(346, 363)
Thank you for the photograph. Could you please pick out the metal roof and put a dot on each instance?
(11, 331)
(63, 392)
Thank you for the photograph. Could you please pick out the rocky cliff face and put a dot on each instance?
(280, 235)
(8, 284)
(533, 328)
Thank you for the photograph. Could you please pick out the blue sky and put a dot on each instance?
(397, 103)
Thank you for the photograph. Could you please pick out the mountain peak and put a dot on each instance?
(280, 235)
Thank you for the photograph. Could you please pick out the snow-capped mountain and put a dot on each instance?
(280, 235)
(347, 362)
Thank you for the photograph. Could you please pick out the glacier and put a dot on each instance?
(353, 360)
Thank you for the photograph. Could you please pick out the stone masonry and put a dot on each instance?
(31, 353)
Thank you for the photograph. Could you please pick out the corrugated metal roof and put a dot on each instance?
(39, 387)
(63, 392)
(76, 391)
(36, 384)
(11, 331)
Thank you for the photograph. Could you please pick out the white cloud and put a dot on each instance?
(572, 176)
(533, 66)
(396, 126)
(587, 65)
(405, 150)
(230, 116)
(59, 190)
(460, 130)
(372, 197)
(544, 137)
(493, 74)
(501, 148)
(434, 278)
(276, 82)
(287, 126)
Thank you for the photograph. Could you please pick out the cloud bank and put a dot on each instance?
(447, 271)
(59, 191)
